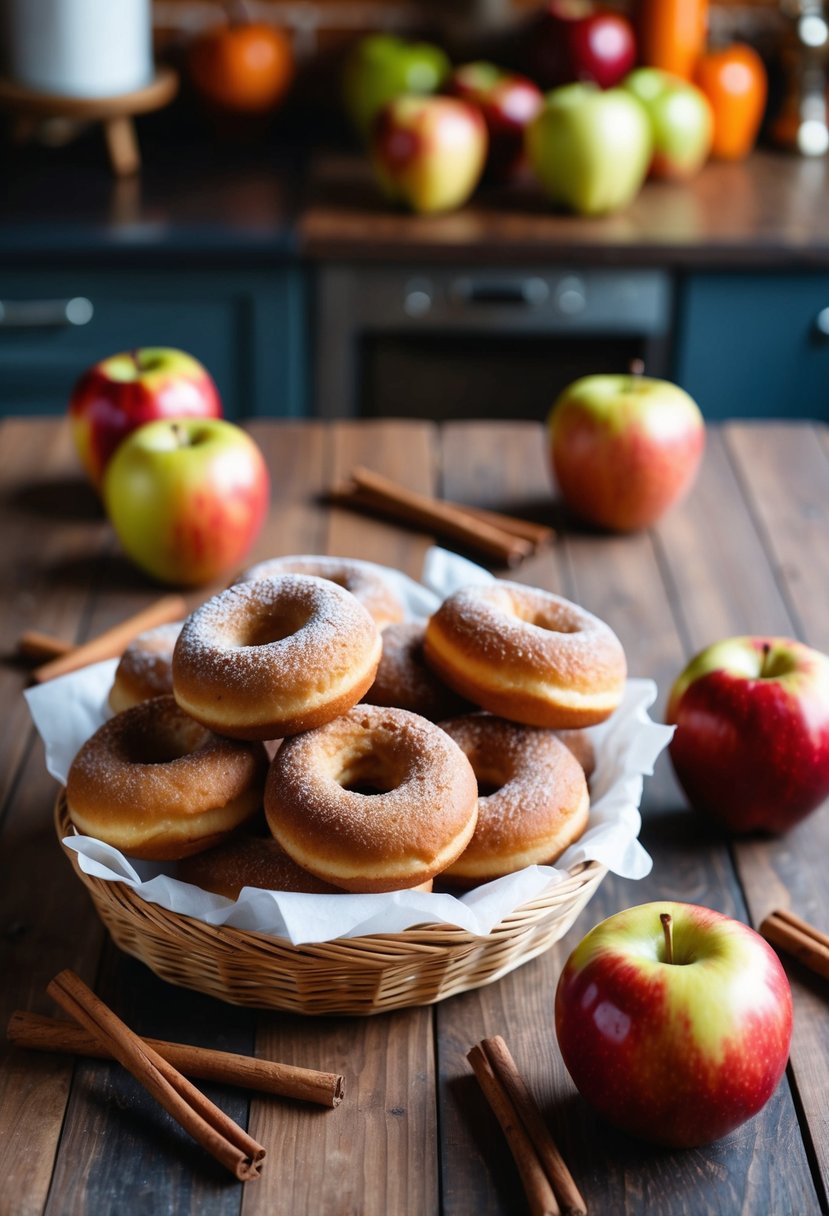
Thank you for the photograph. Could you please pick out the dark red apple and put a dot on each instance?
(508, 102)
(751, 745)
(580, 40)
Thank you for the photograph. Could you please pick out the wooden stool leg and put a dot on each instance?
(122, 145)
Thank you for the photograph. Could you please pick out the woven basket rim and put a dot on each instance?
(126, 898)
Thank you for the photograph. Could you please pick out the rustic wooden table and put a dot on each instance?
(747, 552)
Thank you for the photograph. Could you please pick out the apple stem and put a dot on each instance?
(636, 367)
(180, 435)
(668, 932)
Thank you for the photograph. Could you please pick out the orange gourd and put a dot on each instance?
(243, 67)
(671, 34)
(735, 82)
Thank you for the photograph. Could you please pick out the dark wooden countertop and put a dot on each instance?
(746, 553)
(268, 199)
(771, 210)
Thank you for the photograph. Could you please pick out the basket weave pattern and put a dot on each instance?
(357, 975)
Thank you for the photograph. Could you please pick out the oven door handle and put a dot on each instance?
(528, 292)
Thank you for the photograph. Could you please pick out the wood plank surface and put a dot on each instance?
(745, 553)
(621, 580)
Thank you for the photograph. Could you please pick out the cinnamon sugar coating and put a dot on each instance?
(364, 583)
(377, 800)
(538, 804)
(527, 655)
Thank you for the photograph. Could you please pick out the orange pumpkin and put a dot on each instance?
(734, 80)
(243, 68)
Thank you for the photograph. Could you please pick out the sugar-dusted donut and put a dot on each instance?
(404, 679)
(157, 785)
(358, 577)
(527, 655)
(267, 659)
(145, 669)
(377, 800)
(252, 861)
(533, 799)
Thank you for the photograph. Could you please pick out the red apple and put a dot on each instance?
(676, 1032)
(429, 152)
(751, 745)
(126, 390)
(624, 448)
(580, 40)
(508, 102)
(187, 498)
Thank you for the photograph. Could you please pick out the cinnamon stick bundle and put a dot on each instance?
(41, 1033)
(502, 538)
(111, 643)
(206, 1123)
(800, 939)
(548, 1183)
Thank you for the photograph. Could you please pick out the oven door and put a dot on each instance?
(402, 341)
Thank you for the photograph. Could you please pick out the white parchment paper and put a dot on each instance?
(68, 710)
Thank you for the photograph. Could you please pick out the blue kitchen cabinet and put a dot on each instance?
(755, 344)
(247, 327)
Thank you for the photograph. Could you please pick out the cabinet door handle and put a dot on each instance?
(527, 292)
(45, 314)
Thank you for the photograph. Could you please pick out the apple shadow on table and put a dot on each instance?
(69, 499)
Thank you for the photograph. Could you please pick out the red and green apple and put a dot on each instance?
(682, 122)
(751, 745)
(381, 67)
(428, 153)
(187, 498)
(590, 148)
(674, 1022)
(624, 448)
(124, 391)
(508, 102)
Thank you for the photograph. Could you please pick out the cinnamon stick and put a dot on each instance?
(537, 1187)
(206, 1123)
(379, 494)
(506, 1072)
(800, 939)
(41, 647)
(536, 534)
(41, 1033)
(111, 644)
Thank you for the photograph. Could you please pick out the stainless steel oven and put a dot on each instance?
(463, 342)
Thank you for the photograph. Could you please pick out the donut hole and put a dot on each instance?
(543, 620)
(276, 625)
(172, 740)
(364, 775)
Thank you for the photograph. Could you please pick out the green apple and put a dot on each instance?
(187, 498)
(674, 1022)
(590, 148)
(624, 448)
(383, 66)
(429, 152)
(682, 121)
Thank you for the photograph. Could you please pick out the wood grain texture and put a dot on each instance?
(621, 579)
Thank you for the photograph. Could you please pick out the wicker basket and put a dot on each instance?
(354, 975)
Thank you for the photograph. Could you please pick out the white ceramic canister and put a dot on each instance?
(78, 48)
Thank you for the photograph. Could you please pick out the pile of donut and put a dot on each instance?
(296, 733)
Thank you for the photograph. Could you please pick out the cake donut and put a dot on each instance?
(581, 745)
(527, 655)
(538, 804)
(358, 577)
(377, 800)
(404, 679)
(157, 785)
(267, 659)
(252, 861)
(145, 669)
